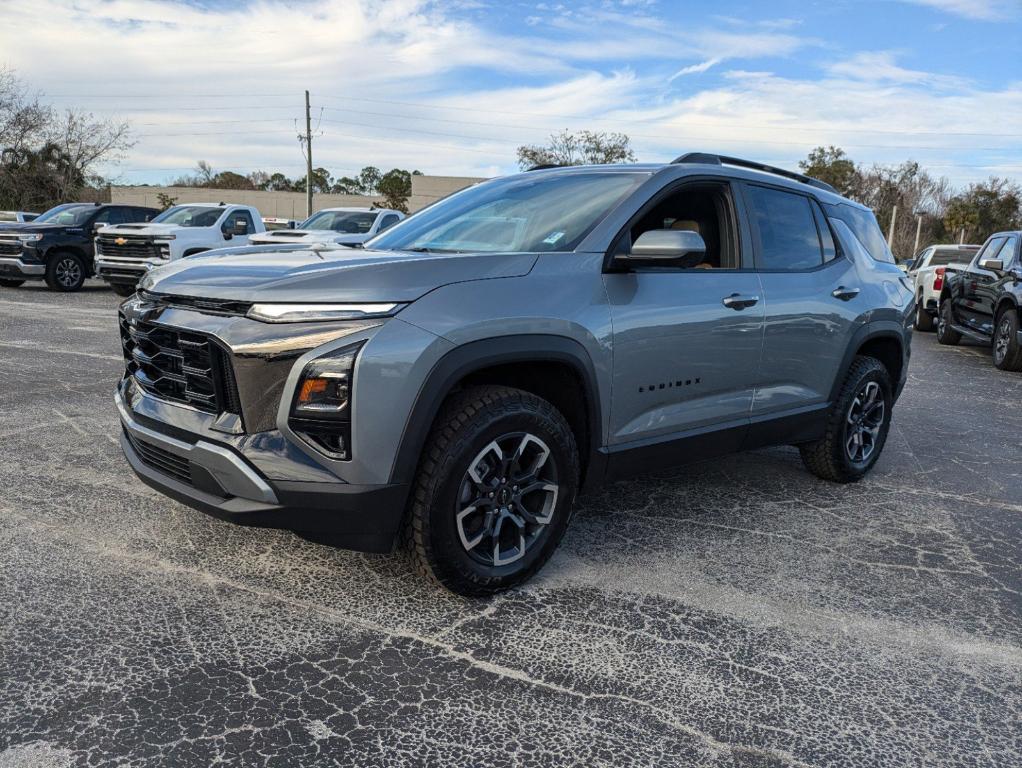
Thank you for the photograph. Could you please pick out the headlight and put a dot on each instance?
(321, 410)
(305, 313)
(30, 238)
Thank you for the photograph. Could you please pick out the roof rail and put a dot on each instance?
(709, 159)
(544, 166)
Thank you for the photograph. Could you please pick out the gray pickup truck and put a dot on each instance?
(454, 385)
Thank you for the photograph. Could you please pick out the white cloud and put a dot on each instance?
(694, 69)
(985, 10)
(881, 66)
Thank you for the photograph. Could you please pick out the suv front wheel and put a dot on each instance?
(857, 425)
(494, 491)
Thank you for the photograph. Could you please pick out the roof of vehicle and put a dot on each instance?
(213, 205)
(716, 164)
(358, 209)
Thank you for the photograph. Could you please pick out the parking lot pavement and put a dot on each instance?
(733, 613)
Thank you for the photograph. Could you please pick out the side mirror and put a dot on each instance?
(98, 226)
(228, 234)
(994, 265)
(666, 245)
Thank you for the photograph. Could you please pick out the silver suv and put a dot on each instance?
(456, 384)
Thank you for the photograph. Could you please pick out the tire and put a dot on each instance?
(65, 272)
(1006, 350)
(7, 282)
(945, 333)
(452, 516)
(837, 456)
(924, 321)
(122, 289)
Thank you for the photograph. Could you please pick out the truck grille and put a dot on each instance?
(161, 460)
(10, 247)
(130, 247)
(179, 366)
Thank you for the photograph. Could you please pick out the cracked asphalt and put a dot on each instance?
(737, 613)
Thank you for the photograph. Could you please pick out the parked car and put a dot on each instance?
(457, 384)
(927, 274)
(345, 226)
(17, 217)
(58, 246)
(125, 253)
(272, 223)
(981, 299)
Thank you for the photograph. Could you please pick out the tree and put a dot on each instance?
(582, 148)
(230, 180)
(165, 200)
(366, 183)
(278, 182)
(985, 208)
(833, 166)
(396, 188)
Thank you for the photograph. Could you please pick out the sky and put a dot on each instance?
(453, 87)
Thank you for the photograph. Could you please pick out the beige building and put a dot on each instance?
(290, 205)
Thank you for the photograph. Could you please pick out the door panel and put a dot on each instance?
(989, 285)
(806, 333)
(967, 304)
(682, 359)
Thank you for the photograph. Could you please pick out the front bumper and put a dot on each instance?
(123, 271)
(215, 479)
(14, 267)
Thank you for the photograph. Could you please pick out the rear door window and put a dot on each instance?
(864, 226)
(785, 228)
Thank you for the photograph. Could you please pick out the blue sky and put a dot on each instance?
(453, 87)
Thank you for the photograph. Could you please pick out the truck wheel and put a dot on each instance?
(945, 333)
(857, 425)
(924, 321)
(123, 289)
(9, 283)
(1007, 352)
(494, 491)
(65, 272)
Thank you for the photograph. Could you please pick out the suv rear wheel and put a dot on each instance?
(65, 272)
(857, 425)
(1007, 352)
(494, 491)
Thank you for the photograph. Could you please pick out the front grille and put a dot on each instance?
(161, 460)
(10, 247)
(208, 306)
(177, 365)
(131, 247)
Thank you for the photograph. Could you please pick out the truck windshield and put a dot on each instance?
(525, 213)
(68, 215)
(346, 222)
(190, 216)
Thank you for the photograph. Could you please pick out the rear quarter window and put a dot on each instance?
(863, 225)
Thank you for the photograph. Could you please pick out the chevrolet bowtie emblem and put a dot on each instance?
(120, 241)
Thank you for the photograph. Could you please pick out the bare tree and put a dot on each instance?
(23, 119)
(582, 148)
(85, 142)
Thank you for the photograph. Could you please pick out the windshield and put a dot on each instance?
(525, 213)
(190, 216)
(346, 222)
(68, 215)
(944, 256)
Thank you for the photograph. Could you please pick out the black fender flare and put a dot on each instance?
(878, 329)
(484, 353)
(56, 250)
(1008, 300)
(193, 251)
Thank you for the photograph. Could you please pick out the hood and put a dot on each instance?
(146, 229)
(332, 274)
(28, 228)
(308, 236)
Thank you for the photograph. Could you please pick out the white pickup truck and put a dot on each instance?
(126, 252)
(345, 226)
(927, 276)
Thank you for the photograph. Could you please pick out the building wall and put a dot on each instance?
(291, 205)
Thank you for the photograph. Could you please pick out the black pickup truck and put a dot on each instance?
(58, 246)
(981, 300)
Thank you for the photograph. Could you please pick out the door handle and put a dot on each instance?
(845, 294)
(737, 301)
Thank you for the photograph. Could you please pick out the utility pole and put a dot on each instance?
(919, 229)
(308, 157)
(890, 232)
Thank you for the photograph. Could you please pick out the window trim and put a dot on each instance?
(758, 245)
(740, 226)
